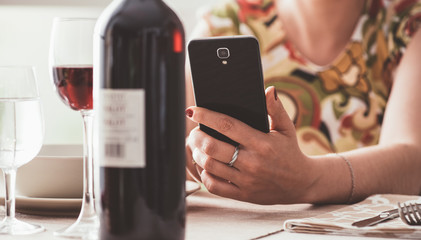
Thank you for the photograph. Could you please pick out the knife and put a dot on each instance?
(383, 216)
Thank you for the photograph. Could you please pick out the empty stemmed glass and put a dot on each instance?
(70, 64)
(21, 136)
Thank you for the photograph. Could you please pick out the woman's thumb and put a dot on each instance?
(279, 119)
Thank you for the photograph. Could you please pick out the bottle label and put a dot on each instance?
(122, 128)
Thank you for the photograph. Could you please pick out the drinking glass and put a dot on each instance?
(70, 64)
(21, 136)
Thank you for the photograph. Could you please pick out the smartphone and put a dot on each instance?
(227, 78)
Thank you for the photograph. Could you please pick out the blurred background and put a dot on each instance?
(25, 28)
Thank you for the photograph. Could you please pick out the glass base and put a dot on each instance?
(85, 228)
(12, 226)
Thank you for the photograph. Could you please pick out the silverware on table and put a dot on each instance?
(410, 213)
(383, 216)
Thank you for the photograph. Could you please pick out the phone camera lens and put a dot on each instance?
(223, 53)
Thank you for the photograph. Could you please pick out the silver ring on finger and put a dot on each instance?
(234, 156)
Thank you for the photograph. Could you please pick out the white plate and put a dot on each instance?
(65, 206)
(49, 206)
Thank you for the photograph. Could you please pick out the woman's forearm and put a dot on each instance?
(378, 169)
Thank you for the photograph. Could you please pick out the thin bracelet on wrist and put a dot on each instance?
(351, 170)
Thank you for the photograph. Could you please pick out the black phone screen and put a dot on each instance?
(227, 78)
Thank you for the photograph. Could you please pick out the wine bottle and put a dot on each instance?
(139, 99)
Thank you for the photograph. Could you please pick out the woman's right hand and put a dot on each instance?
(193, 169)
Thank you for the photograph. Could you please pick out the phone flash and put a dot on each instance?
(224, 62)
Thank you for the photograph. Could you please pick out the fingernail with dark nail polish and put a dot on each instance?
(189, 113)
(276, 95)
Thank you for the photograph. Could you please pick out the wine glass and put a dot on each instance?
(70, 63)
(21, 136)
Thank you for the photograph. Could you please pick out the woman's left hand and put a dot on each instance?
(270, 167)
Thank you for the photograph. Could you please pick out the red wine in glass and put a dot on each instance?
(74, 85)
(70, 62)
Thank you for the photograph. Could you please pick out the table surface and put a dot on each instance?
(210, 217)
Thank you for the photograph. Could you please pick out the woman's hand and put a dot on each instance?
(270, 167)
(193, 169)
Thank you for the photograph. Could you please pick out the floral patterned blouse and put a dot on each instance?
(340, 106)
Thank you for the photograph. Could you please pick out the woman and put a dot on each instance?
(331, 68)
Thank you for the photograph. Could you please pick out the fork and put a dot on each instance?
(410, 213)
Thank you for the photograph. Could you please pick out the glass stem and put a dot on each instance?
(10, 178)
(88, 206)
(9, 200)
